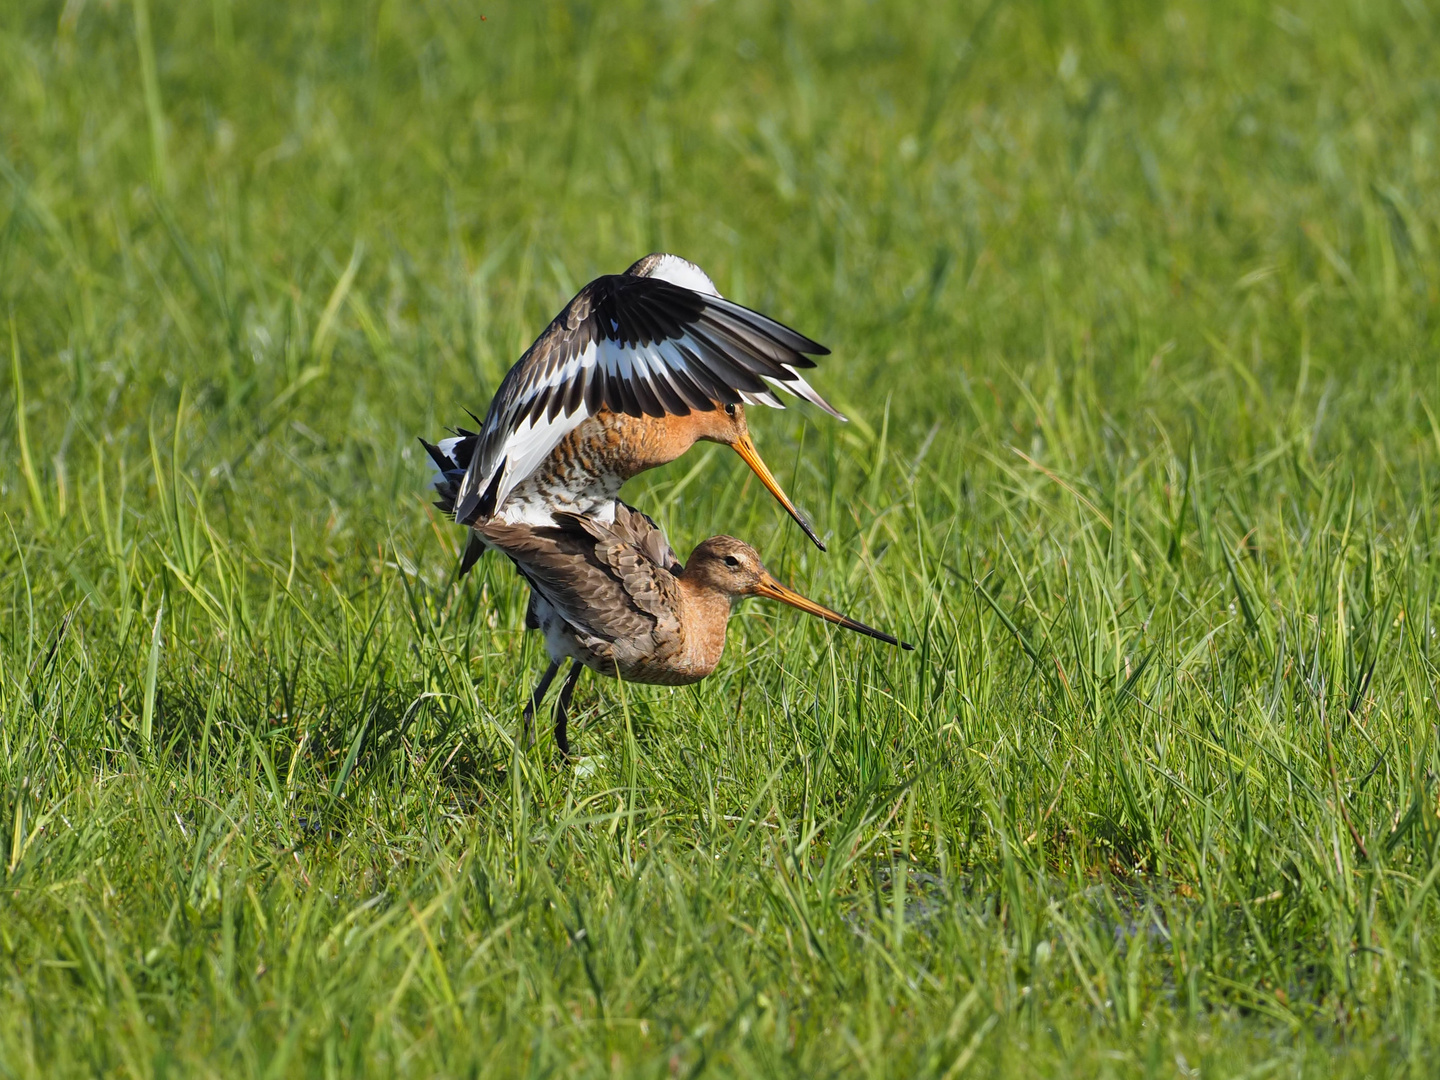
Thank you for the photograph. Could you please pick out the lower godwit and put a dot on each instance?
(634, 371)
(611, 596)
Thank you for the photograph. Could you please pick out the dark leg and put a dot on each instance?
(562, 708)
(536, 698)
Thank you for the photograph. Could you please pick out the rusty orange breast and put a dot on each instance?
(588, 466)
(624, 445)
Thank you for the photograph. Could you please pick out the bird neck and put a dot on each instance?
(638, 443)
(705, 611)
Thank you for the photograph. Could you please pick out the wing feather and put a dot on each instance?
(643, 346)
(610, 583)
(671, 399)
(683, 377)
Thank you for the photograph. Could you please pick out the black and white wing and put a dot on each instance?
(638, 345)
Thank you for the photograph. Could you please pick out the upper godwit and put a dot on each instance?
(611, 596)
(634, 371)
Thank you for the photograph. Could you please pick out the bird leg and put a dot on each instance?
(536, 698)
(562, 707)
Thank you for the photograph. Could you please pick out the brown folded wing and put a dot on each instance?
(611, 583)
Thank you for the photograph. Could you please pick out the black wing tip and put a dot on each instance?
(907, 646)
(787, 337)
(805, 345)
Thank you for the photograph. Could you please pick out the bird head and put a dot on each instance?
(727, 424)
(733, 568)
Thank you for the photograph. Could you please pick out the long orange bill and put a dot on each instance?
(770, 587)
(745, 447)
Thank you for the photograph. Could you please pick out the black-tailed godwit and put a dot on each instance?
(634, 371)
(611, 596)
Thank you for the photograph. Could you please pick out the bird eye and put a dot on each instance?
(732, 562)
(729, 410)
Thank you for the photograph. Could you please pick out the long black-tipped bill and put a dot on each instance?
(745, 447)
(770, 587)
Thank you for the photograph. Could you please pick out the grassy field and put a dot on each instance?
(1134, 313)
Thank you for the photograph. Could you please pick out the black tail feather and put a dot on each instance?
(452, 463)
(473, 550)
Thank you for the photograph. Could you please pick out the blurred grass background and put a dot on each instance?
(1132, 307)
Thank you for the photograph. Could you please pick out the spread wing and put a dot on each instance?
(642, 346)
(602, 579)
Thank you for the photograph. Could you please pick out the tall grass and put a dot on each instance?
(1133, 313)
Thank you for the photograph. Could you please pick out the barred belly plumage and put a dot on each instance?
(589, 466)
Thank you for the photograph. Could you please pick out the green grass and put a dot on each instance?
(1134, 312)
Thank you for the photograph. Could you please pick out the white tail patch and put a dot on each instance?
(447, 447)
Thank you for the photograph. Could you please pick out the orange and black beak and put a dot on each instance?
(768, 586)
(745, 447)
